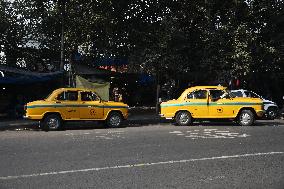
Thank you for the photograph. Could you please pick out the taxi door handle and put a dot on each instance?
(58, 102)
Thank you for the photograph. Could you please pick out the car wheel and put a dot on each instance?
(246, 118)
(114, 120)
(271, 113)
(52, 122)
(183, 118)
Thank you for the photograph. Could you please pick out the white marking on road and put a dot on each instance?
(243, 135)
(212, 178)
(209, 133)
(175, 132)
(138, 165)
(109, 135)
(104, 137)
(116, 132)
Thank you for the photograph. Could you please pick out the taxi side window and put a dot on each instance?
(68, 96)
(199, 94)
(216, 94)
(89, 96)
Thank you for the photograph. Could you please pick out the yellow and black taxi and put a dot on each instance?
(73, 104)
(212, 102)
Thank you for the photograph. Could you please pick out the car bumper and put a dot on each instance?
(163, 116)
(33, 117)
(26, 117)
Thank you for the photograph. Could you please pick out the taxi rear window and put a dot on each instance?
(199, 94)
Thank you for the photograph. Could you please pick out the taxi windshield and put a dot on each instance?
(48, 96)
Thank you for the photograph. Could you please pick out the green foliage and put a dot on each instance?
(221, 37)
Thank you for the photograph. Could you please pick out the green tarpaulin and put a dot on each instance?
(101, 88)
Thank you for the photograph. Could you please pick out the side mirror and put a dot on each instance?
(225, 96)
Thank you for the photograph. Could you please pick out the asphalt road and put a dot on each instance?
(206, 155)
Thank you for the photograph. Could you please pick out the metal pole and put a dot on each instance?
(157, 90)
(62, 36)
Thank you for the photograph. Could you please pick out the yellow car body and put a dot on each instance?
(74, 104)
(203, 105)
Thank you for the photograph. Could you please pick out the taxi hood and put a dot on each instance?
(171, 101)
(37, 102)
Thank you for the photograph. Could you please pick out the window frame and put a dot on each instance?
(92, 93)
(197, 98)
(64, 92)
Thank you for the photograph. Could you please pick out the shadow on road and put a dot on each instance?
(89, 125)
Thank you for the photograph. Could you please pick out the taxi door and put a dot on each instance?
(67, 104)
(91, 106)
(220, 106)
(197, 103)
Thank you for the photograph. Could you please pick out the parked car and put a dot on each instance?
(271, 108)
(212, 102)
(73, 104)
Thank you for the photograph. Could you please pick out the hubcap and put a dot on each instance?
(245, 118)
(115, 120)
(271, 114)
(53, 123)
(184, 118)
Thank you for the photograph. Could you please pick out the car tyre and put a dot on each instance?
(271, 113)
(246, 118)
(114, 120)
(183, 118)
(52, 122)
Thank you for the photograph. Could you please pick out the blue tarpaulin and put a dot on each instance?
(19, 76)
(24, 79)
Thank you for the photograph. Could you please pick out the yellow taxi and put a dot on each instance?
(212, 102)
(73, 104)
